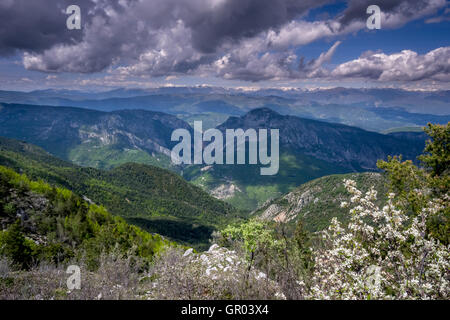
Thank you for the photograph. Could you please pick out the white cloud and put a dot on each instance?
(406, 65)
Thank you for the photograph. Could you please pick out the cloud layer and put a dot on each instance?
(249, 40)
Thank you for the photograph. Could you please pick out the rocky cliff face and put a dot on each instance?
(60, 129)
(346, 146)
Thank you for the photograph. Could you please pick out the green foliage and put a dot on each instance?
(254, 234)
(9, 208)
(15, 246)
(302, 240)
(415, 186)
(404, 179)
(70, 226)
(437, 157)
(270, 247)
(133, 191)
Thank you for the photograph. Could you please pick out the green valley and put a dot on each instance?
(151, 197)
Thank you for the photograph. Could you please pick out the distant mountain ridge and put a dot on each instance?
(309, 148)
(60, 130)
(432, 102)
(371, 109)
(346, 146)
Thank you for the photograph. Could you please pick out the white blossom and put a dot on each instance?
(408, 264)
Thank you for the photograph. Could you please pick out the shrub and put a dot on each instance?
(117, 277)
(218, 273)
(16, 247)
(391, 258)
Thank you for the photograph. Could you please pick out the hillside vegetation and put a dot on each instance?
(42, 222)
(309, 149)
(154, 198)
(393, 246)
(315, 203)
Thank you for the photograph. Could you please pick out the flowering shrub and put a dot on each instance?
(219, 273)
(382, 254)
(117, 277)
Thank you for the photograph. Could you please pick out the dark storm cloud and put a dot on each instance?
(237, 19)
(35, 25)
(39, 24)
(356, 10)
(129, 30)
(397, 12)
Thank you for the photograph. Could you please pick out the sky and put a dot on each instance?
(246, 44)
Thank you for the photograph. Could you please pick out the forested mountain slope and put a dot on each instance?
(154, 198)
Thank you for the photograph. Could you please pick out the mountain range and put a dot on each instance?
(371, 109)
(90, 137)
(309, 149)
